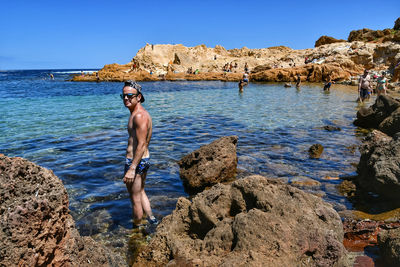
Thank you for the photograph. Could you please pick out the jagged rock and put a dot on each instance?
(389, 247)
(209, 165)
(254, 221)
(397, 25)
(372, 117)
(315, 151)
(367, 35)
(327, 40)
(379, 166)
(391, 124)
(36, 228)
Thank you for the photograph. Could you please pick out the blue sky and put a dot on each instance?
(89, 34)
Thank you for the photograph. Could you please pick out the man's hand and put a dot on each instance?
(130, 176)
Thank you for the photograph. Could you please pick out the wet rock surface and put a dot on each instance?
(36, 228)
(377, 237)
(209, 165)
(254, 221)
(315, 151)
(389, 244)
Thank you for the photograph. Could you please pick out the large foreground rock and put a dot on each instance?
(254, 221)
(36, 228)
(379, 166)
(389, 246)
(209, 165)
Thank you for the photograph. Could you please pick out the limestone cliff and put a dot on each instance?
(379, 50)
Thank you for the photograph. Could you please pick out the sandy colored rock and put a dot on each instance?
(254, 221)
(340, 60)
(327, 40)
(36, 228)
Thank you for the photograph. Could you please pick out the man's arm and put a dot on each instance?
(140, 123)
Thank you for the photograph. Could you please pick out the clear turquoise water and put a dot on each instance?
(79, 131)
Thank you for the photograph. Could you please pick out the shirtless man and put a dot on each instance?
(137, 152)
(364, 86)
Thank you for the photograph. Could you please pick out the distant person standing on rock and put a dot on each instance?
(246, 67)
(364, 86)
(137, 152)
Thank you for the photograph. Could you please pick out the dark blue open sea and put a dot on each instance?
(79, 131)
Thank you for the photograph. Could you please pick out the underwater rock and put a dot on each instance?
(254, 221)
(315, 151)
(331, 128)
(209, 165)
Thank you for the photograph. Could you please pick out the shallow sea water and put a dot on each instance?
(79, 131)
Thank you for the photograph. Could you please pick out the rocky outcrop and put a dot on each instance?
(211, 164)
(389, 246)
(382, 115)
(391, 124)
(36, 228)
(365, 48)
(379, 166)
(254, 221)
(397, 25)
(367, 35)
(327, 40)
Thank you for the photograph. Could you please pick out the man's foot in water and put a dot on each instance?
(152, 220)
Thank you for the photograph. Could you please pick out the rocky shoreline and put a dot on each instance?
(253, 220)
(343, 60)
(227, 221)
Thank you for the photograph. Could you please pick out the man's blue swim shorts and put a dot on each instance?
(141, 168)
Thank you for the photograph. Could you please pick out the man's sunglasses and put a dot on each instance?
(128, 95)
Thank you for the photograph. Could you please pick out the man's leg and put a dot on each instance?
(134, 190)
(144, 199)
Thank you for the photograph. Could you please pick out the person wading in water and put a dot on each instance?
(137, 152)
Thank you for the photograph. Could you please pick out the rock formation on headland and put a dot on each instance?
(379, 50)
(255, 221)
(36, 228)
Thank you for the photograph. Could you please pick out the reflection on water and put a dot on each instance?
(79, 131)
